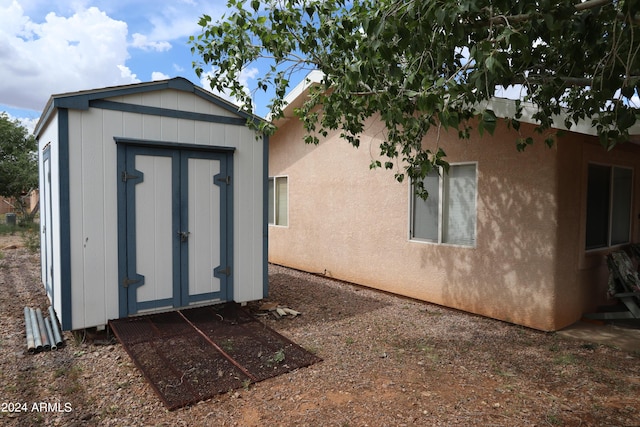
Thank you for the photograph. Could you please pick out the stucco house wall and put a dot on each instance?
(528, 265)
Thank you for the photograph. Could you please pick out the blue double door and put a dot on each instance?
(175, 214)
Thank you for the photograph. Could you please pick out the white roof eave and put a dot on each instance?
(502, 107)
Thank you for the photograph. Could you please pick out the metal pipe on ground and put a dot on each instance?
(43, 330)
(31, 346)
(57, 336)
(36, 331)
(47, 324)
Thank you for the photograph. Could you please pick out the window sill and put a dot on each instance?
(431, 242)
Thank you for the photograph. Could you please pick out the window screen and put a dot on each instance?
(449, 213)
(609, 198)
(460, 207)
(425, 212)
(278, 194)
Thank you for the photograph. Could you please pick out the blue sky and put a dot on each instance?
(49, 47)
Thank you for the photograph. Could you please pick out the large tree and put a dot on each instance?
(18, 162)
(420, 64)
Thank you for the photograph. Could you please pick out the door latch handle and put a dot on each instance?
(184, 235)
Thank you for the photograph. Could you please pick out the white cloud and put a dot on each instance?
(28, 122)
(245, 75)
(173, 23)
(142, 42)
(126, 74)
(157, 75)
(60, 54)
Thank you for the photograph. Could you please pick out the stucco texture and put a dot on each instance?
(527, 265)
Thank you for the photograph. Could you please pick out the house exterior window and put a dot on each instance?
(278, 200)
(609, 198)
(449, 213)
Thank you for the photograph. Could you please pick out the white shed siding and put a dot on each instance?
(248, 213)
(112, 123)
(86, 255)
(93, 203)
(50, 137)
(131, 126)
(93, 215)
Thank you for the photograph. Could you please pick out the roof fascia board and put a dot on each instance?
(502, 107)
(296, 96)
(82, 100)
(165, 112)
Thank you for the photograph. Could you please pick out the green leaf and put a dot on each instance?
(489, 121)
(628, 91)
(415, 64)
(626, 118)
(491, 63)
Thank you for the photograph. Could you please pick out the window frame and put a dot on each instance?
(273, 210)
(443, 183)
(610, 217)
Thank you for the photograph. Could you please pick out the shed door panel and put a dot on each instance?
(153, 231)
(204, 228)
(173, 210)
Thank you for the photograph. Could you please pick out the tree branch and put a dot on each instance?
(589, 4)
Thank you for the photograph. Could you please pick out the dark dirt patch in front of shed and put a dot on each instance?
(192, 355)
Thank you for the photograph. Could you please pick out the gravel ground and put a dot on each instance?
(387, 361)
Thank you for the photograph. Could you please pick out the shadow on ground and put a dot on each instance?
(298, 293)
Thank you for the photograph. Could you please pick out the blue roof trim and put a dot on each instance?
(165, 112)
(65, 221)
(81, 100)
(173, 145)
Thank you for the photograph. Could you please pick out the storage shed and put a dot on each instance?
(153, 198)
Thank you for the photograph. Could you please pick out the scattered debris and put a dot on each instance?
(276, 310)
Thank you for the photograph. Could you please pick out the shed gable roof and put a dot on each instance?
(83, 100)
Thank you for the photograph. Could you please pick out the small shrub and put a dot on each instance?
(31, 239)
(276, 358)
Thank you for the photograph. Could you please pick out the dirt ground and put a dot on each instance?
(387, 361)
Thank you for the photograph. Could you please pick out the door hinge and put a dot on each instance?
(226, 271)
(126, 176)
(225, 179)
(126, 282)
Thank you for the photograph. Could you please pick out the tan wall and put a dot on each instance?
(529, 265)
(581, 276)
(5, 207)
(353, 223)
(5, 204)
